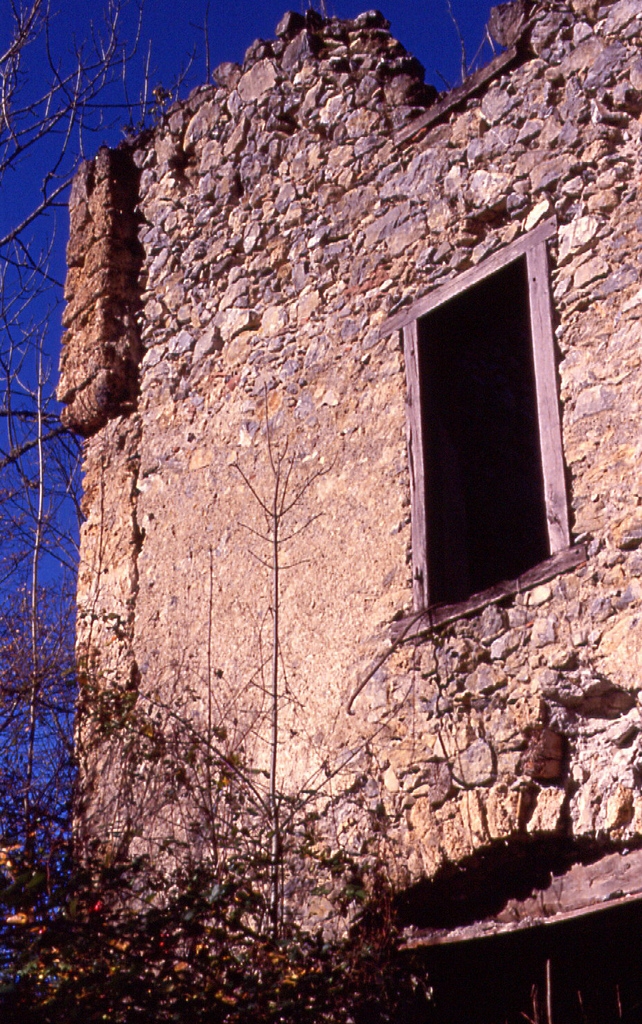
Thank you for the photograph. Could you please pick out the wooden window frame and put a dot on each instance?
(533, 246)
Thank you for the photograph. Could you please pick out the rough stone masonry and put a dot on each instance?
(231, 274)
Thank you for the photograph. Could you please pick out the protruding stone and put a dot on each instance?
(621, 15)
(273, 321)
(590, 271)
(257, 81)
(474, 766)
(231, 322)
(227, 74)
(594, 400)
(181, 344)
(486, 679)
(428, 662)
(209, 341)
(502, 811)
(489, 189)
(544, 631)
(371, 19)
(504, 645)
(506, 22)
(577, 236)
(203, 120)
(539, 595)
(630, 536)
(547, 816)
(289, 25)
(586, 8)
(547, 173)
(635, 75)
(300, 49)
(603, 71)
(619, 807)
(537, 214)
(492, 623)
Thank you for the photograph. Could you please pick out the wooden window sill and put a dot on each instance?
(423, 621)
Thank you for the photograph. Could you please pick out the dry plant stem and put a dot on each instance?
(535, 1007)
(219, 757)
(549, 994)
(581, 1002)
(463, 69)
(18, 451)
(206, 40)
(145, 86)
(274, 806)
(285, 497)
(210, 605)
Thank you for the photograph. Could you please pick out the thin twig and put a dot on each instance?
(463, 67)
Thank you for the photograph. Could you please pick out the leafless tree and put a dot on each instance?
(280, 526)
(51, 94)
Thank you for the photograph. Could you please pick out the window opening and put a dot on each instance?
(485, 506)
(487, 475)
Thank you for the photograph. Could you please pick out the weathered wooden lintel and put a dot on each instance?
(585, 889)
(456, 96)
(415, 625)
(459, 283)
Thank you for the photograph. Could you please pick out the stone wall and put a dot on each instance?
(285, 213)
(101, 349)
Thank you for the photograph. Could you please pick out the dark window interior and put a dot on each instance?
(485, 507)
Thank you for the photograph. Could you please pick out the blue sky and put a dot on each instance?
(423, 26)
(175, 30)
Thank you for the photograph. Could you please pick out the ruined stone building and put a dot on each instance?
(421, 312)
